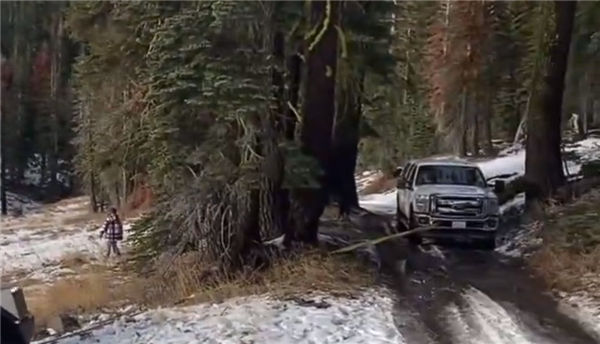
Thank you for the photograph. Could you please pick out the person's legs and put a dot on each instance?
(109, 247)
(115, 248)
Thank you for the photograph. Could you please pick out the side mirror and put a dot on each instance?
(401, 183)
(397, 172)
(499, 186)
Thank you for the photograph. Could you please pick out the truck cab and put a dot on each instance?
(451, 199)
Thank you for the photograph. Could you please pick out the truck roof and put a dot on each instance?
(444, 161)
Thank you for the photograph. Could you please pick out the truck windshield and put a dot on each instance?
(450, 175)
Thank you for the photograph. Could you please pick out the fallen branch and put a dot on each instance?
(380, 240)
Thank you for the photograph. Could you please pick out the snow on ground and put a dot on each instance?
(366, 178)
(363, 319)
(494, 324)
(34, 245)
(19, 204)
(586, 310)
(29, 252)
(259, 319)
(512, 165)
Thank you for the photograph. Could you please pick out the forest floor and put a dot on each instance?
(569, 258)
(54, 252)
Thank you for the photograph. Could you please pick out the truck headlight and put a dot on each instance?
(422, 203)
(492, 206)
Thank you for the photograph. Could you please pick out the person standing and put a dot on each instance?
(112, 232)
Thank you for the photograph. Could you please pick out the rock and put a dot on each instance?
(64, 323)
(312, 303)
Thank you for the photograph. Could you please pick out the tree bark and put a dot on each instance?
(319, 111)
(3, 202)
(486, 131)
(294, 72)
(543, 163)
(473, 108)
(345, 146)
(464, 125)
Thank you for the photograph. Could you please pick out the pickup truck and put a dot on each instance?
(450, 199)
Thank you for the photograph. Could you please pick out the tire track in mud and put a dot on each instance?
(454, 295)
(468, 296)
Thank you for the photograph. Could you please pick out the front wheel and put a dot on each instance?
(413, 239)
(400, 223)
(487, 244)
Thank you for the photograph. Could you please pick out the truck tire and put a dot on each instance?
(400, 226)
(487, 244)
(413, 239)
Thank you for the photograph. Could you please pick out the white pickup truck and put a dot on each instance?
(449, 197)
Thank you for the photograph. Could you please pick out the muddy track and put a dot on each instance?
(465, 296)
(454, 295)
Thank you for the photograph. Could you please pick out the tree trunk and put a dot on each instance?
(250, 232)
(543, 163)
(92, 192)
(486, 126)
(3, 203)
(464, 127)
(345, 146)
(319, 111)
(473, 108)
(294, 72)
(55, 82)
(274, 206)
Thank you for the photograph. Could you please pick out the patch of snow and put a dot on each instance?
(35, 244)
(515, 204)
(366, 177)
(485, 321)
(504, 165)
(258, 319)
(586, 311)
(384, 203)
(521, 242)
(22, 251)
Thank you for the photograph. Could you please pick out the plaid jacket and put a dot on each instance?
(113, 228)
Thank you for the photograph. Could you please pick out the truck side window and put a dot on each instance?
(404, 170)
(411, 174)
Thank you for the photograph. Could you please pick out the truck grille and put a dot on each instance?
(458, 206)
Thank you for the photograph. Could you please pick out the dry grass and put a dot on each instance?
(311, 272)
(89, 293)
(570, 257)
(75, 260)
(101, 288)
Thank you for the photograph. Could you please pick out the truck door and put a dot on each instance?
(401, 187)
